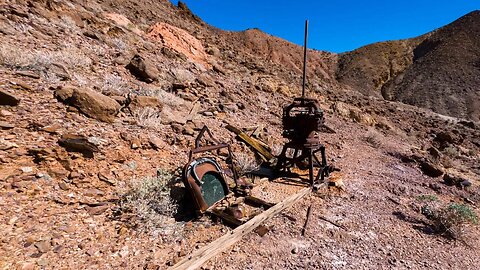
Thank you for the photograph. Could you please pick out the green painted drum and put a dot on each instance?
(213, 187)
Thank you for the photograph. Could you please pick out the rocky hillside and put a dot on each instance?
(100, 102)
(445, 73)
(369, 68)
(438, 71)
(285, 58)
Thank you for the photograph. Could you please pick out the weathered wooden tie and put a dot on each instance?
(199, 257)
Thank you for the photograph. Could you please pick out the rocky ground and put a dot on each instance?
(98, 98)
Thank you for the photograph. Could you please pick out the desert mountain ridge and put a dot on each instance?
(377, 69)
(438, 70)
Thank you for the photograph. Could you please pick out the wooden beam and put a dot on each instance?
(199, 257)
(255, 144)
(257, 202)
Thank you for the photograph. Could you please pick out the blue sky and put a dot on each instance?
(335, 26)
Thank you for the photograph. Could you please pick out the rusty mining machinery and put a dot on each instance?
(205, 178)
(301, 121)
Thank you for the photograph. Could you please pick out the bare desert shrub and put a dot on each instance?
(79, 79)
(71, 57)
(277, 149)
(449, 162)
(245, 164)
(451, 151)
(119, 44)
(22, 27)
(12, 57)
(450, 220)
(165, 97)
(115, 84)
(373, 138)
(150, 206)
(68, 24)
(148, 117)
(41, 60)
(101, 50)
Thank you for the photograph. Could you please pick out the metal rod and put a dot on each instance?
(305, 59)
(309, 213)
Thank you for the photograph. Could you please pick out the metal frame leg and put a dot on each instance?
(310, 166)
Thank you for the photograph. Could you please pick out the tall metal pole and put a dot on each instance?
(305, 59)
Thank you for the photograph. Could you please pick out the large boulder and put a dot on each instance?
(8, 99)
(143, 69)
(145, 101)
(78, 143)
(431, 169)
(91, 103)
(180, 41)
(64, 93)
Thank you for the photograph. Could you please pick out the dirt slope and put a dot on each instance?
(284, 56)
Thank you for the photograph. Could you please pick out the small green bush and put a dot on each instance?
(427, 198)
(463, 212)
(450, 220)
(150, 205)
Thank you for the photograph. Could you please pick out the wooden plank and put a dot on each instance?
(199, 257)
(252, 142)
(257, 202)
(229, 219)
(264, 145)
(193, 112)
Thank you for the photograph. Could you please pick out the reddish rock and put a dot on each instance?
(43, 246)
(431, 169)
(97, 210)
(8, 99)
(95, 105)
(145, 101)
(143, 69)
(181, 41)
(89, 102)
(64, 93)
(6, 125)
(156, 142)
